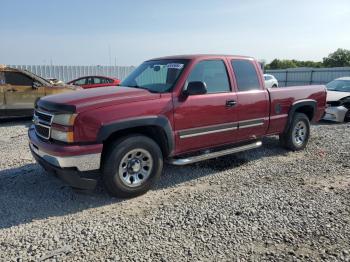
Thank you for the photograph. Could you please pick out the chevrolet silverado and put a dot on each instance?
(179, 109)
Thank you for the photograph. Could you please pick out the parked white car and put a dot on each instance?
(338, 100)
(270, 81)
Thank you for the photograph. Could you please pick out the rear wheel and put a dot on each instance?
(298, 133)
(131, 166)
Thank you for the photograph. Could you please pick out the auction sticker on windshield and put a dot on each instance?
(175, 65)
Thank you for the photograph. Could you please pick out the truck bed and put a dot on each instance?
(283, 98)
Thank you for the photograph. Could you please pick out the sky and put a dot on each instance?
(109, 32)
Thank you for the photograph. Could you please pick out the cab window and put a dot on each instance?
(213, 73)
(246, 75)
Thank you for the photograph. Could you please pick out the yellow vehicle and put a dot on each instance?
(19, 89)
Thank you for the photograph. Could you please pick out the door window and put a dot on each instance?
(90, 81)
(98, 80)
(246, 75)
(213, 73)
(18, 79)
(81, 81)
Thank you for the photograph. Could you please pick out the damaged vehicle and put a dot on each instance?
(338, 100)
(19, 89)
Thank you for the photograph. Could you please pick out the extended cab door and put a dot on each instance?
(210, 119)
(253, 100)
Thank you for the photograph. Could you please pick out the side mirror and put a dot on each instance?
(196, 88)
(36, 85)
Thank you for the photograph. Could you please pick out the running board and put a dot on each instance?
(206, 156)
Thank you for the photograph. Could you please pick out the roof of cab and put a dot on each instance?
(196, 56)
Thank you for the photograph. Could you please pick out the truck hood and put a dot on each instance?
(88, 99)
(335, 95)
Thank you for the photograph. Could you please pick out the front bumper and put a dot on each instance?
(336, 114)
(70, 176)
(69, 163)
(81, 157)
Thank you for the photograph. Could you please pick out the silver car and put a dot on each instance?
(338, 100)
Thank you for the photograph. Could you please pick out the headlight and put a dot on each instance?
(62, 135)
(62, 127)
(64, 119)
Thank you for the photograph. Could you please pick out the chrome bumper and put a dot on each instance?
(335, 113)
(82, 162)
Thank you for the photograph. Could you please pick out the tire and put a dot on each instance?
(347, 116)
(131, 166)
(274, 86)
(298, 133)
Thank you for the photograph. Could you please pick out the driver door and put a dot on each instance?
(206, 120)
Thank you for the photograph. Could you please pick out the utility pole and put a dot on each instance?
(109, 55)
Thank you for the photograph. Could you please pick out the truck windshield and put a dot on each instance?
(339, 85)
(158, 76)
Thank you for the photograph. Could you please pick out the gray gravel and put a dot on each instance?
(265, 204)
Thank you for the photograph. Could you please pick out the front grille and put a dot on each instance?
(42, 122)
(42, 131)
(44, 117)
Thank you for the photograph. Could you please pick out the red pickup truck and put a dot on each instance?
(179, 109)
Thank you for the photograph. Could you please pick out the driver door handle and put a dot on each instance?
(231, 103)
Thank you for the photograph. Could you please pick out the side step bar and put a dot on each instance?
(205, 156)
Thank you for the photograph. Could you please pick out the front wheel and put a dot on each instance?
(347, 116)
(298, 133)
(131, 166)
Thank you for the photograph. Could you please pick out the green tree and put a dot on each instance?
(339, 58)
(281, 64)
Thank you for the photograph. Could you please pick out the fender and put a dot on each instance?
(158, 121)
(298, 104)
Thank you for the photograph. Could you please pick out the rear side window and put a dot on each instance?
(106, 80)
(246, 75)
(213, 73)
(18, 79)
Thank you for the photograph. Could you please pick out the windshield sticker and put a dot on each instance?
(175, 66)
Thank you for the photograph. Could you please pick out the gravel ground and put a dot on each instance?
(265, 204)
